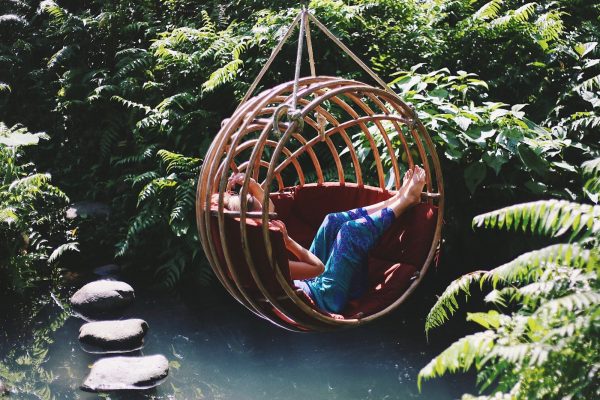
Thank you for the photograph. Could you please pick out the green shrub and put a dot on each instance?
(541, 338)
(33, 228)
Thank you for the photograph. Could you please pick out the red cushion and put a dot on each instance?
(258, 251)
(386, 284)
(409, 239)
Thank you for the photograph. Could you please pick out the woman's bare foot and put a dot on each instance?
(410, 192)
(405, 181)
(414, 187)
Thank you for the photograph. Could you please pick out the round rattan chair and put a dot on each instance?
(317, 145)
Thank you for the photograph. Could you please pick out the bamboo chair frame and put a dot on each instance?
(334, 111)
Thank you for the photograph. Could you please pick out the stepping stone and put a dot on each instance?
(88, 209)
(119, 336)
(102, 297)
(126, 373)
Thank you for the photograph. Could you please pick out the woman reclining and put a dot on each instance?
(334, 270)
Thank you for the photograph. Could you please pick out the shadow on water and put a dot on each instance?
(222, 351)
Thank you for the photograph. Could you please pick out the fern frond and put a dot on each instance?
(572, 302)
(447, 304)
(581, 325)
(519, 15)
(132, 104)
(139, 224)
(584, 120)
(502, 297)
(527, 266)
(178, 163)
(532, 353)
(489, 10)
(139, 62)
(545, 217)
(153, 188)
(144, 177)
(62, 55)
(524, 12)
(550, 25)
(459, 356)
(169, 274)
(181, 100)
(147, 153)
(30, 182)
(62, 249)
(589, 84)
(591, 167)
(225, 74)
(58, 14)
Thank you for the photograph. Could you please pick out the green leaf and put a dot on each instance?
(490, 319)
(584, 48)
(532, 160)
(495, 160)
(474, 175)
(16, 139)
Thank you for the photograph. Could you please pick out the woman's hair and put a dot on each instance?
(232, 201)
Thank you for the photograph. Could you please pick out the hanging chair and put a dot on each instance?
(317, 145)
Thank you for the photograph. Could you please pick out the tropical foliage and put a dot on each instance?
(136, 90)
(541, 336)
(33, 228)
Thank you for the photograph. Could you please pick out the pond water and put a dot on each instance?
(222, 351)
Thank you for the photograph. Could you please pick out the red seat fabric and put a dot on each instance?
(400, 253)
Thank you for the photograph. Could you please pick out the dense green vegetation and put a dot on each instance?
(136, 90)
(33, 229)
(130, 93)
(543, 343)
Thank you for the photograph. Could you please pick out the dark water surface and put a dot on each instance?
(225, 352)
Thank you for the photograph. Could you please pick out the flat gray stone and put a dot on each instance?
(103, 296)
(88, 209)
(113, 336)
(126, 373)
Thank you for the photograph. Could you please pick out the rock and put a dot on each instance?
(126, 373)
(103, 296)
(3, 388)
(113, 336)
(88, 209)
(107, 270)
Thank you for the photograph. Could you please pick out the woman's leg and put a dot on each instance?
(345, 268)
(325, 237)
(345, 275)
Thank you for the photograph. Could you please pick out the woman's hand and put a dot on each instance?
(236, 179)
(279, 224)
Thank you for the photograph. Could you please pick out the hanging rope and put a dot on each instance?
(298, 58)
(303, 18)
(274, 53)
(350, 53)
(311, 57)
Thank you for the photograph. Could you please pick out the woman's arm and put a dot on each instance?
(308, 265)
(257, 191)
(253, 187)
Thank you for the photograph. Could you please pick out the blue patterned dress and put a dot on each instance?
(342, 243)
